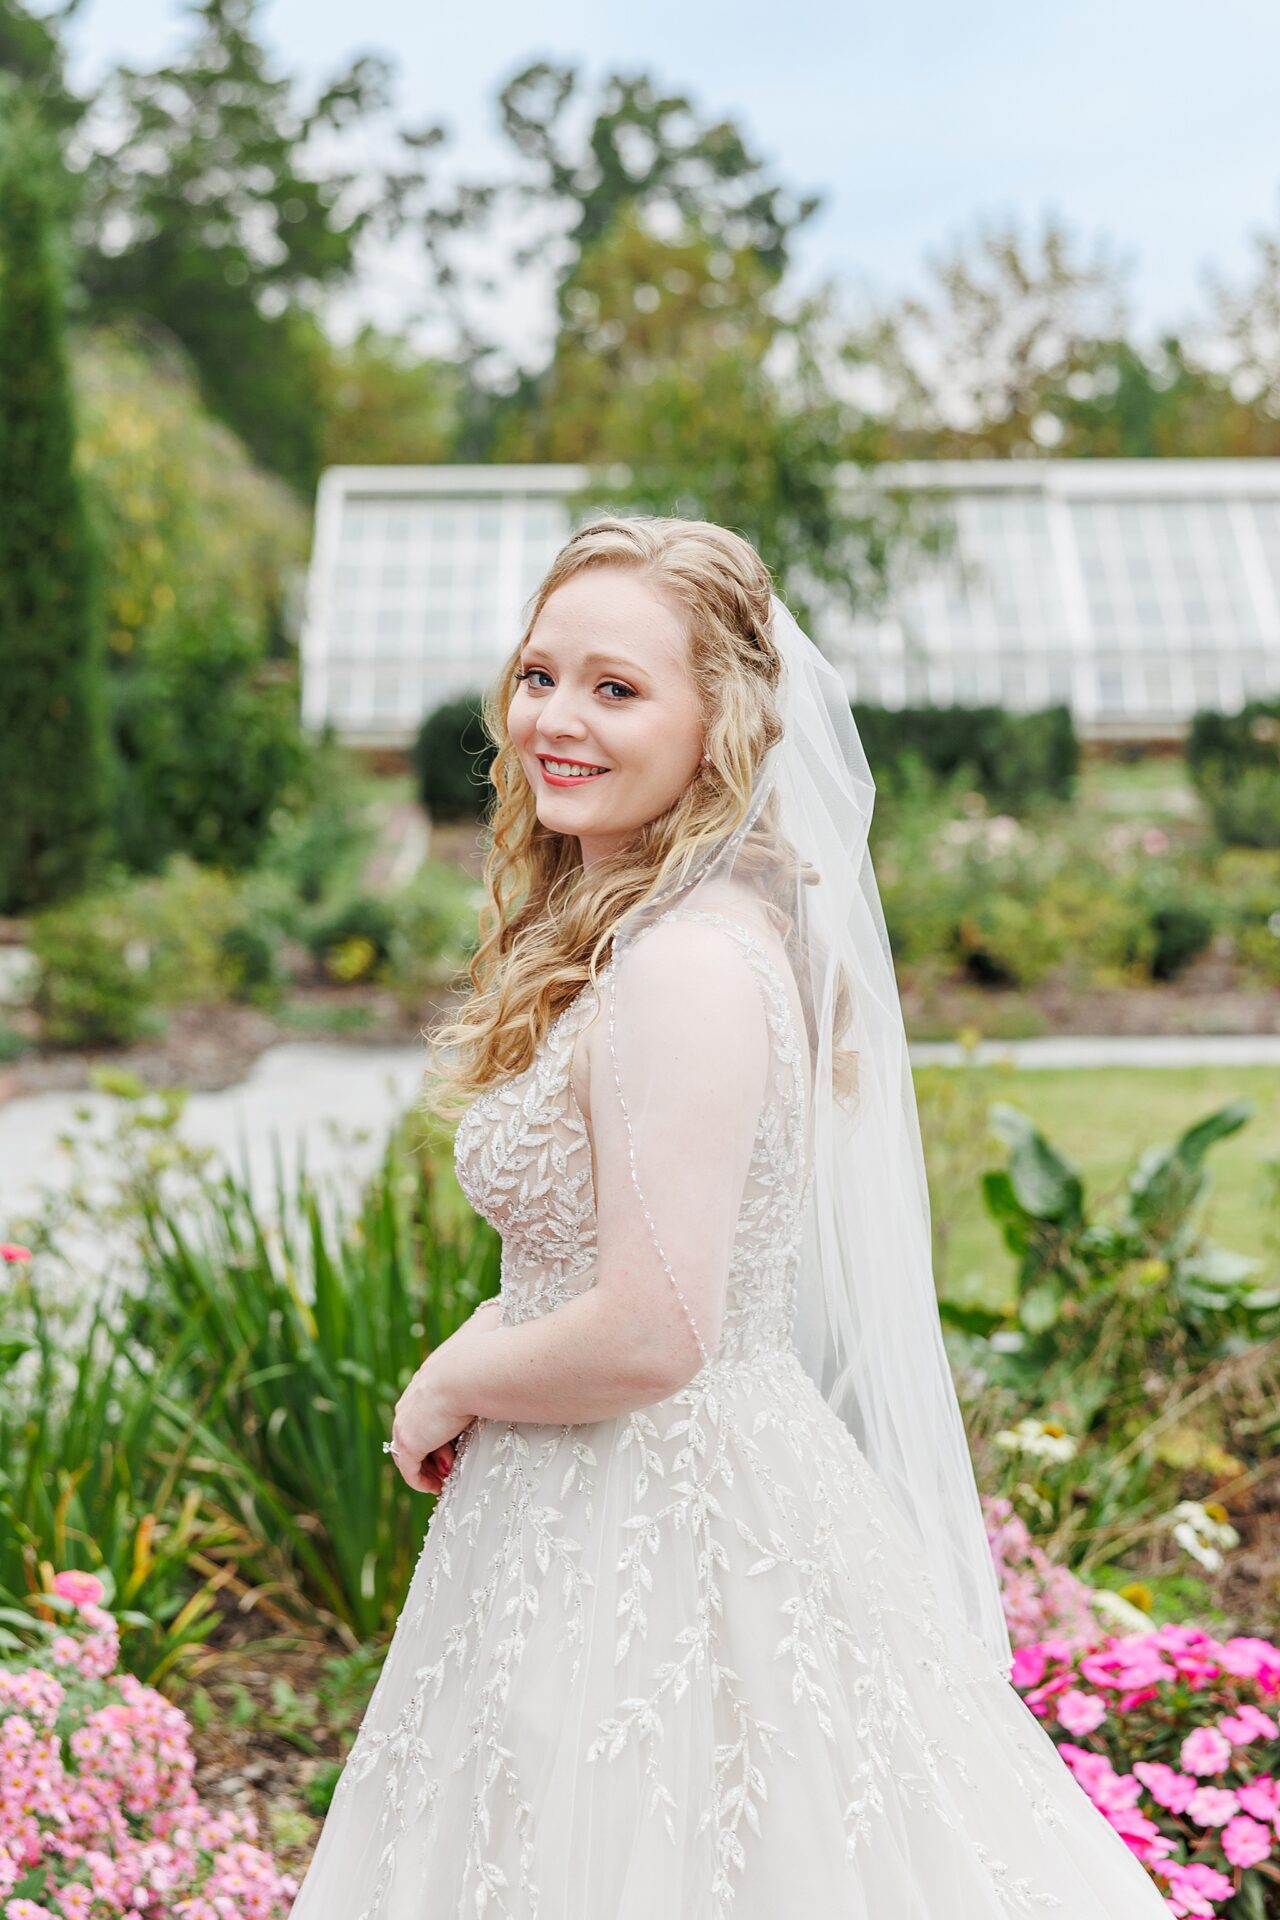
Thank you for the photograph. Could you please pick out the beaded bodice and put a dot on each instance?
(523, 1159)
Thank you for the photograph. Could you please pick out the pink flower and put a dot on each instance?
(1081, 1712)
(1193, 1886)
(1245, 1842)
(1167, 1787)
(1260, 1797)
(83, 1589)
(1029, 1664)
(12, 1252)
(1248, 1723)
(1212, 1806)
(1252, 1659)
(1205, 1751)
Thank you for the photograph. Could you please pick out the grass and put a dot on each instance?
(1102, 1118)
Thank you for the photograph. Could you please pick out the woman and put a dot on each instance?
(705, 1623)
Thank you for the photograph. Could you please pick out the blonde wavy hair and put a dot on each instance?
(546, 922)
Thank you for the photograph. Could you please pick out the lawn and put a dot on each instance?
(1101, 1119)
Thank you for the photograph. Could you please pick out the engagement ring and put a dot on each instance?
(388, 1448)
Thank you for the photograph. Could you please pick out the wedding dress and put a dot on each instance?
(687, 1663)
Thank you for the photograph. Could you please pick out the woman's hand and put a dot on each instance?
(428, 1420)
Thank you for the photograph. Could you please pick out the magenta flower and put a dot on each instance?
(1245, 1842)
(12, 1252)
(1205, 1751)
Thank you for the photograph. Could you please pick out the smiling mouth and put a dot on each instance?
(565, 771)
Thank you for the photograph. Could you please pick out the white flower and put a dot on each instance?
(1039, 1438)
(1201, 1532)
(1114, 1610)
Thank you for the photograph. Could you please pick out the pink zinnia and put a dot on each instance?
(1205, 1751)
(82, 1589)
(11, 1251)
(1245, 1842)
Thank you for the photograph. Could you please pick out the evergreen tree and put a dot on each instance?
(52, 736)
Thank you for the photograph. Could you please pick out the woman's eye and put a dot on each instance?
(628, 693)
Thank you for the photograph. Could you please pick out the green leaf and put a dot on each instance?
(1047, 1185)
(1041, 1305)
(974, 1319)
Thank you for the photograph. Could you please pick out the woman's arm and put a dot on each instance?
(580, 1362)
(691, 1057)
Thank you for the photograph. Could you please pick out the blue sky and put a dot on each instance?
(1154, 126)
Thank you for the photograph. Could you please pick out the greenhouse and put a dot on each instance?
(1136, 591)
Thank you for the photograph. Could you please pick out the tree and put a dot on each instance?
(33, 62)
(52, 734)
(679, 359)
(644, 151)
(965, 371)
(210, 212)
(1244, 338)
(384, 402)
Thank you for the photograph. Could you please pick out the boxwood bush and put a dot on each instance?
(1015, 759)
(451, 758)
(1234, 763)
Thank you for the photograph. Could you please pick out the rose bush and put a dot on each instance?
(1175, 1737)
(99, 1815)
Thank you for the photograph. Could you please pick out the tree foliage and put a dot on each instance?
(209, 211)
(52, 737)
(644, 150)
(185, 519)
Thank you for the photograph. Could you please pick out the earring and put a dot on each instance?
(706, 759)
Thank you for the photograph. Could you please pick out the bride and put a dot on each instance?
(705, 1623)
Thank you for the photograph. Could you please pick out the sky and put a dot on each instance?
(1153, 127)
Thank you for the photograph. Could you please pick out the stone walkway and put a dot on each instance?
(1110, 1050)
(335, 1104)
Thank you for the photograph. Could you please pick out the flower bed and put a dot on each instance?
(98, 1812)
(1174, 1737)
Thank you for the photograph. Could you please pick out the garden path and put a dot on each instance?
(336, 1103)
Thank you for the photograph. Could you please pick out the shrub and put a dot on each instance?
(1179, 933)
(93, 986)
(1015, 759)
(208, 749)
(1234, 762)
(451, 757)
(183, 917)
(436, 930)
(353, 940)
(250, 955)
(1100, 1303)
(99, 1785)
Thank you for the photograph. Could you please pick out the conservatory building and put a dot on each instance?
(1136, 591)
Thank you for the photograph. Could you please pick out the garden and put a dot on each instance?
(202, 1553)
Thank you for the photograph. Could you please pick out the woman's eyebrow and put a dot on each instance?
(588, 659)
